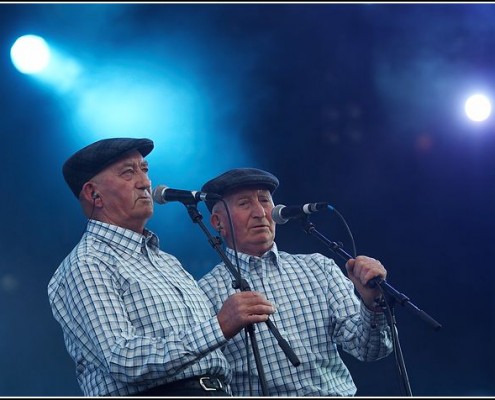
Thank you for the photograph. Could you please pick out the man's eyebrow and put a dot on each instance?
(131, 164)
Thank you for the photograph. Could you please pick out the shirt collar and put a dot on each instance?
(245, 259)
(123, 238)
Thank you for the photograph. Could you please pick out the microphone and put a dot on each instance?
(281, 214)
(163, 194)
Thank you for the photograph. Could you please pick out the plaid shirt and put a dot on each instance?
(132, 317)
(317, 310)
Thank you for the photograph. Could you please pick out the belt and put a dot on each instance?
(208, 383)
(194, 385)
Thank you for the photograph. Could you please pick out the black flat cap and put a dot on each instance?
(239, 178)
(94, 158)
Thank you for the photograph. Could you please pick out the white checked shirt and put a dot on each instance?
(317, 310)
(132, 317)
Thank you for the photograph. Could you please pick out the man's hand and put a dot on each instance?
(360, 271)
(243, 309)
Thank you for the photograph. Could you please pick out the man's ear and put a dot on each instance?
(89, 192)
(215, 222)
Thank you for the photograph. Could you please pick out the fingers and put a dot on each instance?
(252, 304)
(364, 268)
(243, 309)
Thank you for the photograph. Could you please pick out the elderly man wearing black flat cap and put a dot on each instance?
(134, 321)
(317, 308)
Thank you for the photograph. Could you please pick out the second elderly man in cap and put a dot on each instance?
(317, 308)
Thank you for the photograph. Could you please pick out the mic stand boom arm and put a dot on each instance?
(242, 284)
(396, 295)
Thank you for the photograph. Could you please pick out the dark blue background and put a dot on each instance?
(356, 104)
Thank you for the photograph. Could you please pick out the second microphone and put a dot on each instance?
(281, 214)
(163, 194)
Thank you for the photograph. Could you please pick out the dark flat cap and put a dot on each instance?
(94, 158)
(239, 178)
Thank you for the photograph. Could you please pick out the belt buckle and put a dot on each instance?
(202, 383)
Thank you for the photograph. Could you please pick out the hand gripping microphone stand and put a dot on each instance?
(391, 296)
(242, 284)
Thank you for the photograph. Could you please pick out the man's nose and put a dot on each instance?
(144, 182)
(259, 210)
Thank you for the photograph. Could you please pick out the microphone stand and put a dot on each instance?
(392, 297)
(243, 285)
(402, 299)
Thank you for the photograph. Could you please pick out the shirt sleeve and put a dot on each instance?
(361, 332)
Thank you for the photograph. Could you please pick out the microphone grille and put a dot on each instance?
(158, 194)
(277, 214)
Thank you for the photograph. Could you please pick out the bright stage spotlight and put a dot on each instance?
(478, 107)
(30, 54)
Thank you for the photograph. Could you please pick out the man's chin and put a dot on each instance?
(145, 212)
(264, 241)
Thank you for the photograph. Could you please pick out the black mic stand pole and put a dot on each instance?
(392, 294)
(242, 284)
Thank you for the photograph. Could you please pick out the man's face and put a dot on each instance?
(254, 228)
(125, 192)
